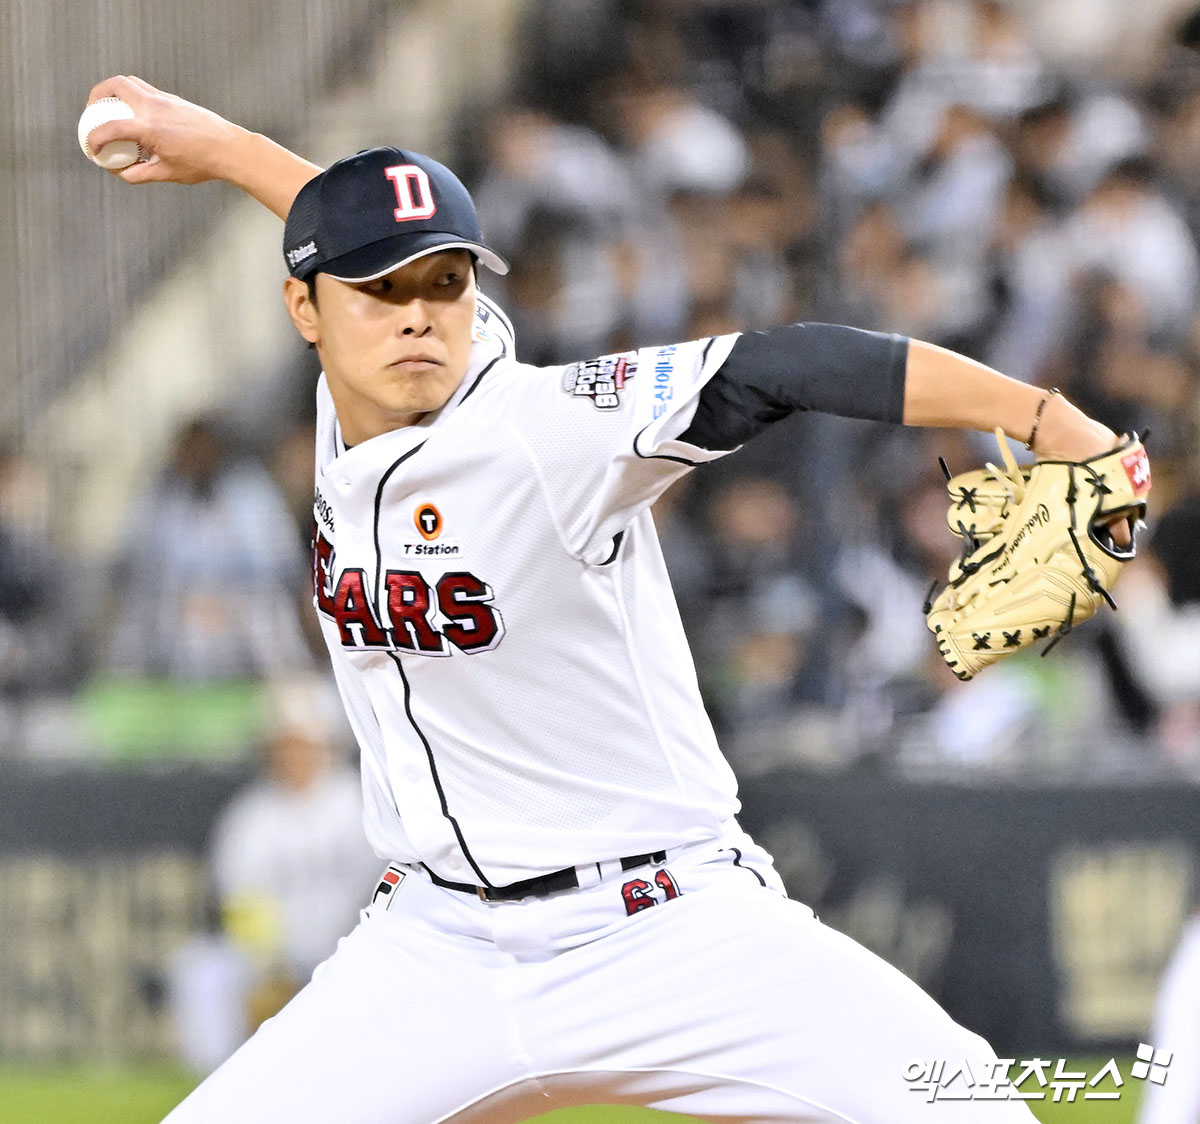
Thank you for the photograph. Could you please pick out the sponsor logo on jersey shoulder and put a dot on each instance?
(601, 380)
(664, 370)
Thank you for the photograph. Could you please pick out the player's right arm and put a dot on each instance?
(191, 144)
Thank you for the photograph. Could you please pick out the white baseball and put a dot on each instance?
(115, 154)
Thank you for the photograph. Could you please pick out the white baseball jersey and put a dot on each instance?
(507, 645)
(501, 624)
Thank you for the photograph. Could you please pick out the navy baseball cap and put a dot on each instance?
(377, 210)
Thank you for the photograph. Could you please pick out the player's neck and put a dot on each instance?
(353, 434)
(359, 420)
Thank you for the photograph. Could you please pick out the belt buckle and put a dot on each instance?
(483, 892)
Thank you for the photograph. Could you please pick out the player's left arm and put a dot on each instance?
(943, 388)
(883, 377)
(878, 376)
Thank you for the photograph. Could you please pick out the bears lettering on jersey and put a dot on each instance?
(473, 624)
(354, 612)
(413, 614)
(322, 568)
(409, 600)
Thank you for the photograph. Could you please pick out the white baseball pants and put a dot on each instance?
(727, 1001)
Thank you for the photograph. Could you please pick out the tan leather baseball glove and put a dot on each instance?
(1038, 556)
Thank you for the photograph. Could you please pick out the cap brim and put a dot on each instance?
(369, 263)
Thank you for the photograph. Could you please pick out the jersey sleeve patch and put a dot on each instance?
(602, 380)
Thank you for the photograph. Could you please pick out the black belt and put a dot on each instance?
(541, 886)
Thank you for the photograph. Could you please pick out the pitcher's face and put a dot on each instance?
(393, 349)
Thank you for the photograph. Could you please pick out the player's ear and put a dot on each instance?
(300, 300)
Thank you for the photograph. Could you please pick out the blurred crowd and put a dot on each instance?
(674, 169)
(670, 169)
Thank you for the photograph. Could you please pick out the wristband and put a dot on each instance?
(1037, 417)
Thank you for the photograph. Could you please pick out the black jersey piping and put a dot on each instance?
(499, 313)
(660, 456)
(737, 861)
(479, 379)
(437, 780)
(378, 510)
(616, 546)
(664, 456)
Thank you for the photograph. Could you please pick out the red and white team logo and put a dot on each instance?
(1137, 468)
(414, 196)
(601, 380)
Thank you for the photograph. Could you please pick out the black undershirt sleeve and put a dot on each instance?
(824, 367)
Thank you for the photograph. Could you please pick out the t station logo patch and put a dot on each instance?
(429, 524)
(601, 380)
(428, 521)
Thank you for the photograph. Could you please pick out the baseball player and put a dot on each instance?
(570, 912)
